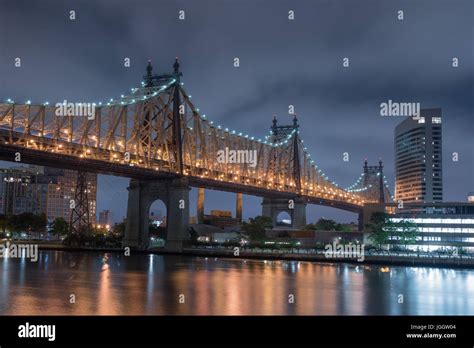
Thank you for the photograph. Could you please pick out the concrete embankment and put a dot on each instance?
(413, 261)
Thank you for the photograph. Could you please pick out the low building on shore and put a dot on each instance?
(441, 226)
(312, 239)
(214, 234)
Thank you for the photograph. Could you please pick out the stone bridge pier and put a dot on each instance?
(174, 193)
(295, 207)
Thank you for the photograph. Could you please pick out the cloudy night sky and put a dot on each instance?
(282, 62)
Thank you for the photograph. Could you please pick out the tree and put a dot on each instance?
(380, 228)
(26, 222)
(310, 227)
(18, 223)
(59, 227)
(98, 231)
(156, 231)
(326, 224)
(119, 229)
(39, 223)
(193, 235)
(407, 232)
(343, 228)
(4, 222)
(256, 227)
(322, 225)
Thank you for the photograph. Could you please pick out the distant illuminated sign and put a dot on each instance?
(470, 197)
(12, 179)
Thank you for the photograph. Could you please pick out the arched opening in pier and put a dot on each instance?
(283, 219)
(157, 223)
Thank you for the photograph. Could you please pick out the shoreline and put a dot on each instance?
(464, 263)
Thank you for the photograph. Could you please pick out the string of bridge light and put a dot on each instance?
(124, 99)
(204, 118)
(315, 167)
(385, 182)
(211, 124)
(351, 188)
(363, 189)
(386, 185)
(130, 99)
(356, 183)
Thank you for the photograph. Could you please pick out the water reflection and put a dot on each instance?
(108, 284)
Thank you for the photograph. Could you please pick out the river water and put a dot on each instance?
(109, 284)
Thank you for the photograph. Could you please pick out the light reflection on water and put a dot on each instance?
(108, 284)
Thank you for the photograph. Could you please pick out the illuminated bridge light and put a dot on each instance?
(314, 183)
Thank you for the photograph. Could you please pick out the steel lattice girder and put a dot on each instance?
(140, 134)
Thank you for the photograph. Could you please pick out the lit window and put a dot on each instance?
(436, 120)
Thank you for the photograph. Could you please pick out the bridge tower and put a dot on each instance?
(373, 181)
(155, 81)
(174, 192)
(79, 222)
(294, 207)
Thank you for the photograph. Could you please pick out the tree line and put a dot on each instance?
(33, 224)
(25, 222)
(381, 228)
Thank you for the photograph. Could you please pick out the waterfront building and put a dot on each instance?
(441, 226)
(105, 218)
(42, 190)
(418, 158)
(16, 195)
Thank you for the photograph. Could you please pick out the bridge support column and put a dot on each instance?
(136, 227)
(360, 221)
(299, 215)
(271, 207)
(238, 207)
(177, 229)
(200, 206)
(141, 194)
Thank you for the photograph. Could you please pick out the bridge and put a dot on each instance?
(156, 136)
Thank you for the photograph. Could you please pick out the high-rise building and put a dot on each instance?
(16, 196)
(105, 218)
(42, 190)
(418, 158)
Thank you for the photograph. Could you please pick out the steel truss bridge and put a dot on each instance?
(157, 132)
